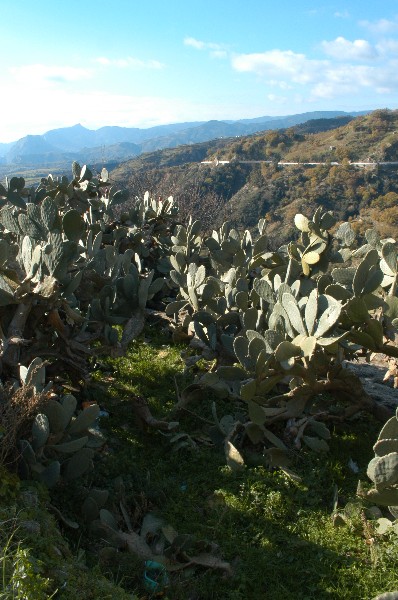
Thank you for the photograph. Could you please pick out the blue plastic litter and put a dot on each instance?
(155, 576)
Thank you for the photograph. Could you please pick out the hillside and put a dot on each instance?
(33, 148)
(246, 192)
(109, 143)
(368, 138)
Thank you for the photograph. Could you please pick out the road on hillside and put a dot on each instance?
(284, 163)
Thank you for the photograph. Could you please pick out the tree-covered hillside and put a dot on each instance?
(246, 192)
(229, 443)
(369, 138)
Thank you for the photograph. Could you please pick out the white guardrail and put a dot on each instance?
(284, 163)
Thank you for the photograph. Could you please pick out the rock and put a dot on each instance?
(372, 377)
(31, 527)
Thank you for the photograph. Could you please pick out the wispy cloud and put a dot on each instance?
(61, 107)
(277, 99)
(129, 62)
(199, 45)
(388, 46)
(276, 65)
(343, 49)
(46, 74)
(382, 26)
(324, 79)
(349, 79)
(215, 50)
(342, 14)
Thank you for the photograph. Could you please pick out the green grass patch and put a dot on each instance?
(277, 533)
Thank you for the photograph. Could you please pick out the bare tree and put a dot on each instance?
(192, 199)
(207, 207)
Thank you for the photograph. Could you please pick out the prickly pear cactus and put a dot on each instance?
(383, 468)
(62, 445)
(63, 248)
(281, 323)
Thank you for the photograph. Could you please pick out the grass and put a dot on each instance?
(20, 571)
(277, 533)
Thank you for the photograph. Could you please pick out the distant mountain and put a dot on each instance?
(318, 125)
(142, 135)
(121, 143)
(113, 153)
(70, 139)
(291, 120)
(202, 133)
(226, 129)
(5, 147)
(33, 149)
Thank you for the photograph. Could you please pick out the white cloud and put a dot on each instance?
(277, 99)
(342, 14)
(215, 50)
(283, 85)
(129, 62)
(279, 64)
(351, 79)
(39, 74)
(388, 46)
(219, 53)
(321, 79)
(381, 26)
(199, 45)
(343, 49)
(194, 43)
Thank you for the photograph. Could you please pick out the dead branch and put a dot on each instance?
(350, 386)
(145, 417)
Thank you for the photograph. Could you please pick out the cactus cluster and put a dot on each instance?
(62, 444)
(281, 323)
(278, 322)
(71, 269)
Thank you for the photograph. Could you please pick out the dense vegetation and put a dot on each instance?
(244, 193)
(180, 402)
(278, 533)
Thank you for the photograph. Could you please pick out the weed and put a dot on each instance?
(277, 532)
(20, 572)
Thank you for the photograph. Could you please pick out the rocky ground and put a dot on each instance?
(378, 378)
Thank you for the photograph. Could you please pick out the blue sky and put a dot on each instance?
(139, 64)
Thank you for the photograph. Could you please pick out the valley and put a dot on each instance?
(243, 179)
(346, 164)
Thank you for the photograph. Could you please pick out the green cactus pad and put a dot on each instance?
(248, 390)
(80, 463)
(72, 446)
(50, 475)
(85, 419)
(390, 429)
(58, 417)
(386, 470)
(385, 446)
(40, 431)
(384, 497)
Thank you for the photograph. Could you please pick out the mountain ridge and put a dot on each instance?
(252, 185)
(56, 145)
